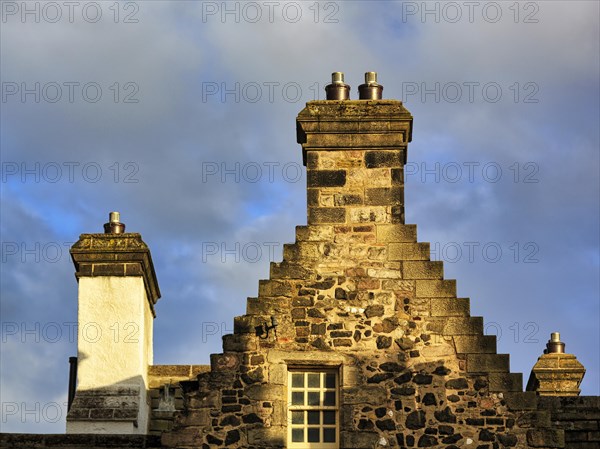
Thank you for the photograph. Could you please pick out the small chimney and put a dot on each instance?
(337, 90)
(556, 373)
(114, 226)
(371, 90)
(117, 290)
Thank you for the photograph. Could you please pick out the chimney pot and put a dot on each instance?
(371, 90)
(114, 225)
(554, 345)
(337, 90)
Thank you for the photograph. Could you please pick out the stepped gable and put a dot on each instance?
(358, 294)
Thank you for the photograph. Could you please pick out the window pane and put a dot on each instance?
(297, 417)
(313, 434)
(313, 398)
(329, 435)
(313, 417)
(313, 380)
(330, 380)
(298, 380)
(329, 417)
(329, 398)
(297, 435)
(297, 398)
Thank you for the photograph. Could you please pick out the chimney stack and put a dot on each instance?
(337, 90)
(116, 296)
(355, 152)
(556, 373)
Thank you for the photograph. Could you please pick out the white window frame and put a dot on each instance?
(306, 408)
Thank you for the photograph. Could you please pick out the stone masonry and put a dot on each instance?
(358, 299)
(358, 293)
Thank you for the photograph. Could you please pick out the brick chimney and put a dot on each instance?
(117, 292)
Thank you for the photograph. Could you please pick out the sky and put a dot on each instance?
(181, 116)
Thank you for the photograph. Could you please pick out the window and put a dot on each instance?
(313, 412)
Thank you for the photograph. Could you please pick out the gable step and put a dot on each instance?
(314, 233)
(238, 343)
(455, 325)
(396, 233)
(450, 307)
(472, 325)
(287, 270)
(301, 251)
(270, 287)
(488, 363)
(268, 305)
(475, 344)
(422, 269)
(430, 288)
(408, 251)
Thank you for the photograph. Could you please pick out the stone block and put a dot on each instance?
(326, 178)
(397, 176)
(475, 344)
(359, 439)
(261, 306)
(272, 287)
(396, 233)
(319, 233)
(501, 382)
(265, 392)
(379, 159)
(546, 438)
(373, 395)
(408, 251)
(347, 199)
(452, 326)
(373, 214)
(433, 288)
(287, 270)
(239, 343)
(422, 269)
(450, 306)
(384, 196)
(318, 215)
(488, 363)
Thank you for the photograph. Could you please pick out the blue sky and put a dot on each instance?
(507, 105)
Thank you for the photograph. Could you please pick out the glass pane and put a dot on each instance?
(313, 398)
(313, 417)
(297, 398)
(313, 380)
(329, 435)
(297, 435)
(330, 380)
(329, 417)
(297, 417)
(329, 398)
(298, 380)
(313, 434)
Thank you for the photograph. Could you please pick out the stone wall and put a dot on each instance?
(578, 417)
(166, 394)
(78, 441)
